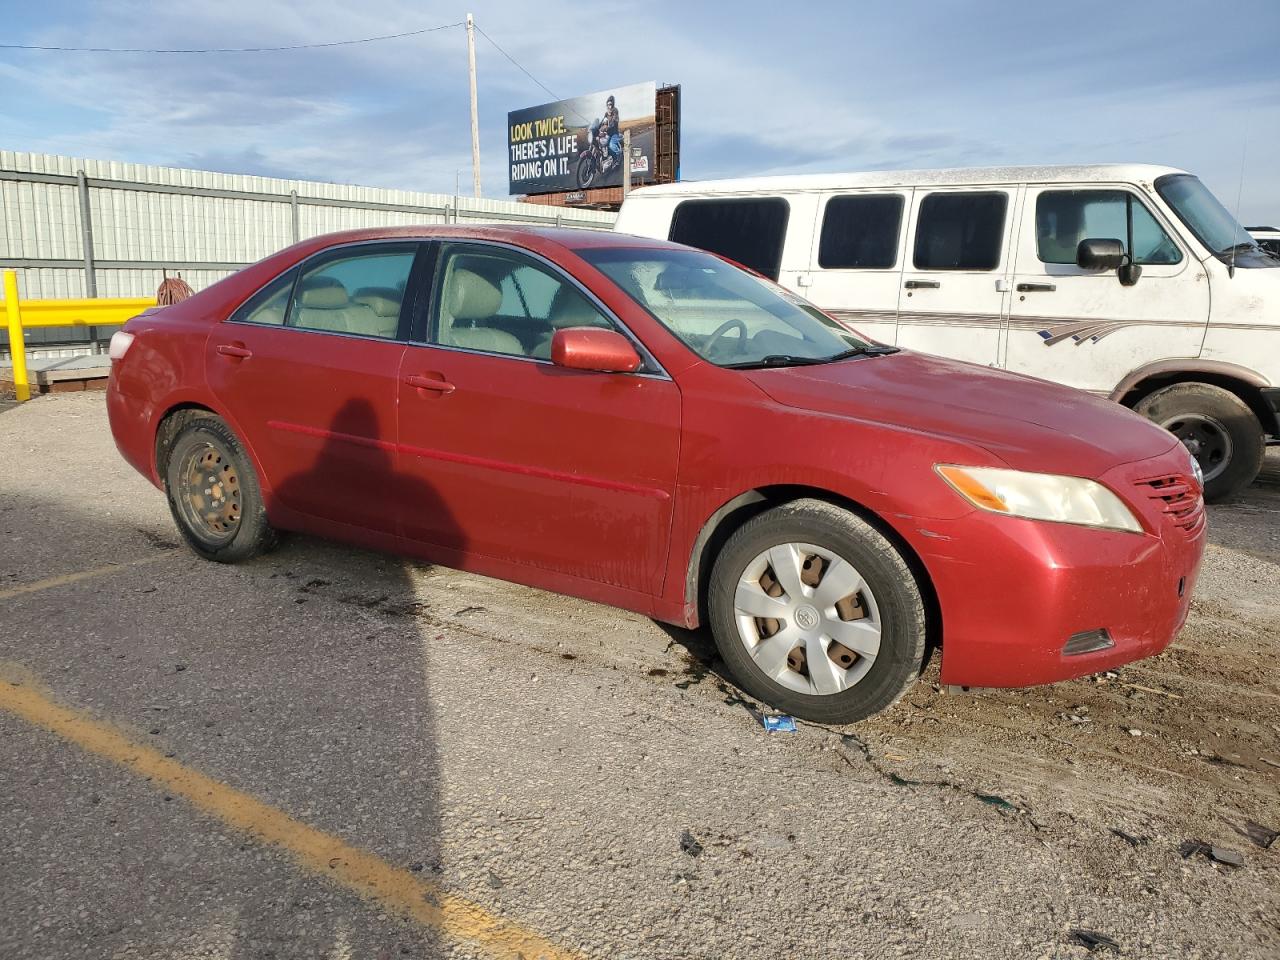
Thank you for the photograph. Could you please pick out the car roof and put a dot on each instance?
(534, 238)
(968, 176)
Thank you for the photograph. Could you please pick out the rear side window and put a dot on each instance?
(1065, 217)
(357, 293)
(269, 305)
(749, 231)
(960, 231)
(860, 232)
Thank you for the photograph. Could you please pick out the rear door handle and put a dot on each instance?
(429, 383)
(922, 284)
(1037, 287)
(235, 351)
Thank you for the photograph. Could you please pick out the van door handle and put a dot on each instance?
(235, 351)
(922, 284)
(429, 383)
(1037, 287)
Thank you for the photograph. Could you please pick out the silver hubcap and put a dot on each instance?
(1206, 439)
(807, 618)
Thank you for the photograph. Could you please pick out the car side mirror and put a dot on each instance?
(593, 348)
(1096, 254)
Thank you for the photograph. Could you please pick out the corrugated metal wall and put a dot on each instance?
(201, 224)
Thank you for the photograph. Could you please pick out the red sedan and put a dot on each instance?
(645, 425)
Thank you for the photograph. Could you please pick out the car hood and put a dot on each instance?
(1030, 424)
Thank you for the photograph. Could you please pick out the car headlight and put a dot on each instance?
(1040, 496)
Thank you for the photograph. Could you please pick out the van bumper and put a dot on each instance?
(1025, 602)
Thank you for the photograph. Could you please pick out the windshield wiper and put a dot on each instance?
(788, 360)
(1242, 247)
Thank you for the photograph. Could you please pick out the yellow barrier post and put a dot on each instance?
(17, 345)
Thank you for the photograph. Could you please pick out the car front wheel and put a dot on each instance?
(213, 493)
(816, 613)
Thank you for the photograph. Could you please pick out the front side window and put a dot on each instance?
(749, 230)
(355, 293)
(860, 232)
(725, 315)
(960, 231)
(495, 300)
(1065, 217)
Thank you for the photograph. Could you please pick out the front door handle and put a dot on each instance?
(235, 351)
(429, 383)
(922, 284)
(1037, 287)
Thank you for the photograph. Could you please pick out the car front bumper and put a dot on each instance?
(1013, 593)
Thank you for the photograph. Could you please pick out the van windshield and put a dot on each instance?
(1211, 222)
(724, 314)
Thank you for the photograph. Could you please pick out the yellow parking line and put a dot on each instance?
(66, 578)
(369, 876)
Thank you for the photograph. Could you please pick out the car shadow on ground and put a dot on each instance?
(257, 675)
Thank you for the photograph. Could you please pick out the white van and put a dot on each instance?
(1026, 268)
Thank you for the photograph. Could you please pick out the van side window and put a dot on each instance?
(960, 231)
(860, 232)
(748, 230)
(1065, 217)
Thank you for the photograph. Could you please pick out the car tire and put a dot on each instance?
(888, 600)
(1219, 429)
(214, 494)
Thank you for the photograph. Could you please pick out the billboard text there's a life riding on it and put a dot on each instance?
(576, 144)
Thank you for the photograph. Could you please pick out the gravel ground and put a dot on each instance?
(543, 757)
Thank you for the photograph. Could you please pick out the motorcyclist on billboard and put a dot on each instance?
(613, 128)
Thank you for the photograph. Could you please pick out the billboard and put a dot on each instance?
(551, 148)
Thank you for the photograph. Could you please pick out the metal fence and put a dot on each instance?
(87, 228)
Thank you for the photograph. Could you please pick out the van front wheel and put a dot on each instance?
(1218, 428)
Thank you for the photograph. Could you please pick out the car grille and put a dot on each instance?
(1177, 499)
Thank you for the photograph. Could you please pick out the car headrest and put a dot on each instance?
(569, 308)
(470, 296)
(322, 293)
(384, 301)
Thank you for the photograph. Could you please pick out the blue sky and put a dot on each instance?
(768, 87)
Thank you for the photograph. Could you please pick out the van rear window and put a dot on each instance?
(960, 231)
(749, 230)
(860, 232)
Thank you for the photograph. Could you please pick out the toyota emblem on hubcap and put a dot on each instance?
(806, 618)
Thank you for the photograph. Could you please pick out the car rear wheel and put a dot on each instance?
(1217, 427)
(816, 613)
(214, 495)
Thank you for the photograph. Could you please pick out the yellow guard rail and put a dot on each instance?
(30, 314)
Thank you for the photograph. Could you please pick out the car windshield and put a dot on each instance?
(1203, 213)
(724, 314)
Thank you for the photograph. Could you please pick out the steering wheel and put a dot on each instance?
(713, 341)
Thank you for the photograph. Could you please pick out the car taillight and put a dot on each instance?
(120, 343)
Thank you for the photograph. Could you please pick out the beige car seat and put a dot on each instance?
(385, 304)
(469, 297)
(323, 304)
(569, 308)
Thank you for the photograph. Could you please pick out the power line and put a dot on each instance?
(296, 46)
(516, 63)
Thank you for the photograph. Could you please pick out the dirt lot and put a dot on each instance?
(532, 763)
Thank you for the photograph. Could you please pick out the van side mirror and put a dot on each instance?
(593, 348)
(1096, 254)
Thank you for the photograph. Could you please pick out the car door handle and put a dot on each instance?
(922, 284)
(234, 351)
(1037, 287)
(429, 383)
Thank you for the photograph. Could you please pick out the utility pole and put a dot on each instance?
(475, 110)
(626, 163)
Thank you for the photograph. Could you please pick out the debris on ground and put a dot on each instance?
(1094, 940)
(1129, 838)
(779, 723)
(495, 881)
(689, 845)
(1260, 835)
(1194, 848)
